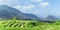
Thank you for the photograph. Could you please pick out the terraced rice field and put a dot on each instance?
(28, 25)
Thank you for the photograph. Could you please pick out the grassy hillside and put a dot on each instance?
(28, 25)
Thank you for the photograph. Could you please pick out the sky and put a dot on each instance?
(40, 8)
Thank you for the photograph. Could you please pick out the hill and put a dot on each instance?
(9, 12)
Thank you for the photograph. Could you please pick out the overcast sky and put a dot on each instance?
(38, 7)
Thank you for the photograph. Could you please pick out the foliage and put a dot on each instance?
(14, 24)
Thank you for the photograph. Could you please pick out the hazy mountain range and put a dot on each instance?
(50, 18)
(9, 12)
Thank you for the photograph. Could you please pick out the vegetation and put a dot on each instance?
(14, 24)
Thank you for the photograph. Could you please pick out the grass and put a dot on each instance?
(28, 25)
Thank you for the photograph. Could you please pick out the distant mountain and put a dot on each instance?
(50, 18)
(9, 12)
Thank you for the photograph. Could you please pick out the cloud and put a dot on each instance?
(36, 0)
(2, 1)
(28, 7)
(24, 8)
(18, 7)
(9, 2)
(44, 4)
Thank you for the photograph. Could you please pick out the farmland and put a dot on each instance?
(28, 25)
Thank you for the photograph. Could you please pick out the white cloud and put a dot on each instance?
(9, 2)
(44, 4)
(36, 0)
(28, 7)
(2, 1)
(24, 8)
(18, 7)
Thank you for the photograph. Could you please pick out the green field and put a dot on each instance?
(28, 25)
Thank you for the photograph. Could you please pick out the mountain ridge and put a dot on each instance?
(8, 12)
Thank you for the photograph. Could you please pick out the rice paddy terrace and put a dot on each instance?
(28, 25)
